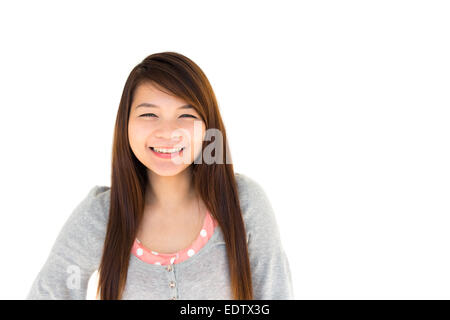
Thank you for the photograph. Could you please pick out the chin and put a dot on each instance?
(168, 172)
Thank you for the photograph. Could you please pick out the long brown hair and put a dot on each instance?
(215, 183)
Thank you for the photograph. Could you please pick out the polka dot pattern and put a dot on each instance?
(163, 259)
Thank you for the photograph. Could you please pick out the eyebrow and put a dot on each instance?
(145, 104)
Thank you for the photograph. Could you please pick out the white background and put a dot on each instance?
(339, 109)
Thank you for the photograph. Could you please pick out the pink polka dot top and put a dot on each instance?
(164, 259)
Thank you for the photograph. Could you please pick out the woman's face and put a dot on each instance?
(164, 124)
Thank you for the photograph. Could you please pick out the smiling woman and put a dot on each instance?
(166, 228)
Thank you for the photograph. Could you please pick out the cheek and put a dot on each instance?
(197, 135)
(197, 143)
(191, 134)
(137, 134)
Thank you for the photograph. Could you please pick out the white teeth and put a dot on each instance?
(167, 150)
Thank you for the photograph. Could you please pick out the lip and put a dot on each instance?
(159, 147)
(167, 155)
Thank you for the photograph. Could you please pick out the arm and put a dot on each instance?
(271, 275)
(76, 252)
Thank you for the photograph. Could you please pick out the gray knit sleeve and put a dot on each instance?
(271, 274)
(76, 252)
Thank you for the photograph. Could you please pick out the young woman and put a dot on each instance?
(177, 221)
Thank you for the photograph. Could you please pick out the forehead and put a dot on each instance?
(150, 93)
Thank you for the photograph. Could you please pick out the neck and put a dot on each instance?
(170, 193)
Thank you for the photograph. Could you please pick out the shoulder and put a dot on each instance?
(98, 201)
(83, 232)
(98, 197)
(250, 191)
(255, 204)
(93, 208)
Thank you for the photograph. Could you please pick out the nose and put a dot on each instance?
(169, 134)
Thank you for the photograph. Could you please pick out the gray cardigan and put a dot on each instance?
(77, 251)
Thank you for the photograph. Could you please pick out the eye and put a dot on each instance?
(152, 114)
(189, 115)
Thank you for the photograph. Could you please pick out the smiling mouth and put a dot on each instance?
(153, 149)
